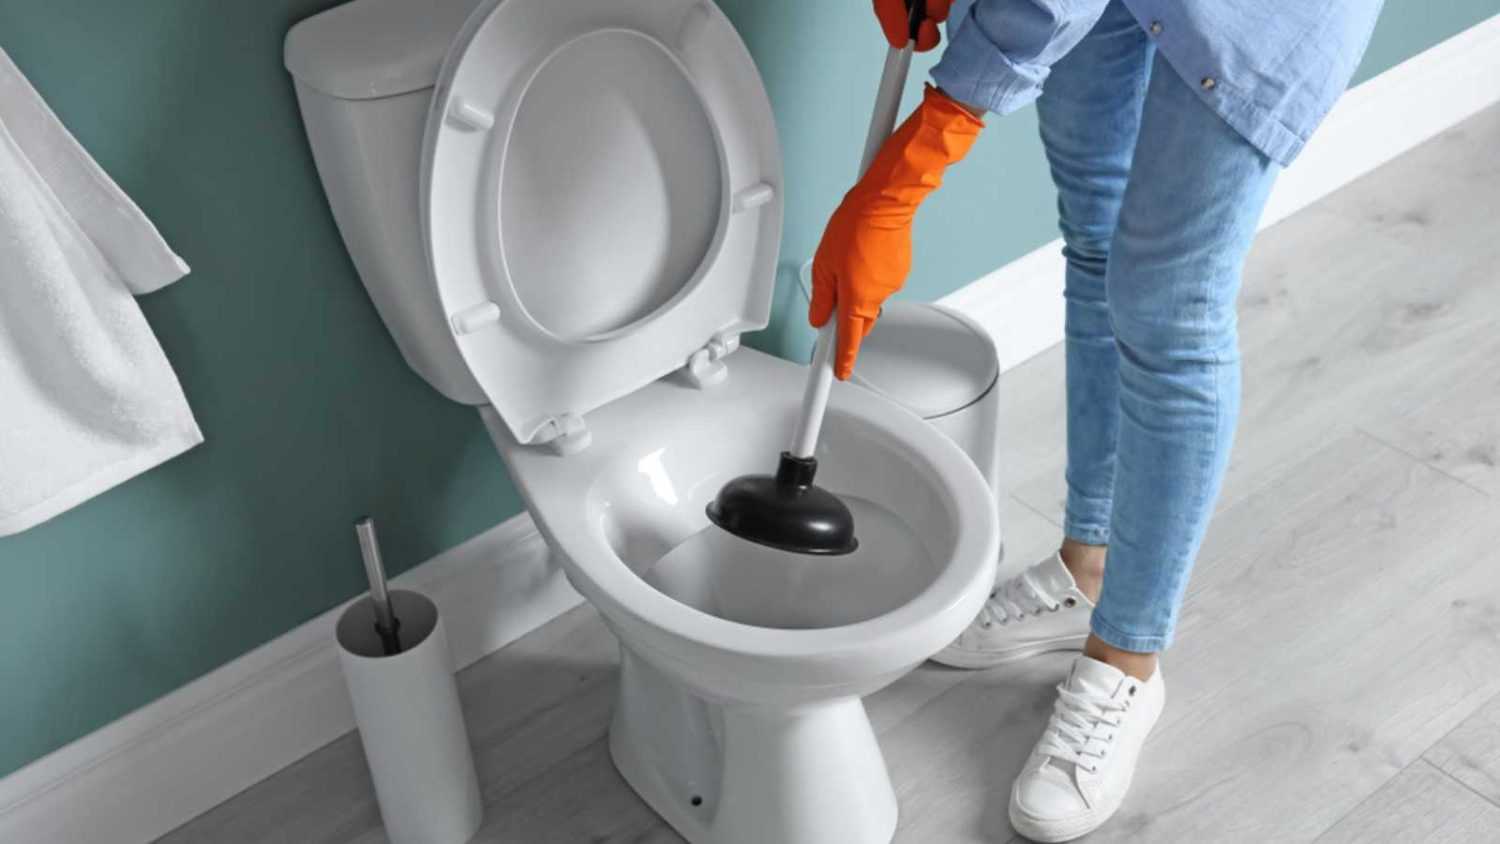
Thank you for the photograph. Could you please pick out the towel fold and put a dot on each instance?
(87, 398)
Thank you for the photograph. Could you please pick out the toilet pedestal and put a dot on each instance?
(806, 775)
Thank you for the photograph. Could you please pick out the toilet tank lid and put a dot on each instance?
(928, 359)
(375, 48)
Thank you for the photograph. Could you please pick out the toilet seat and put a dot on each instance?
(601, 201)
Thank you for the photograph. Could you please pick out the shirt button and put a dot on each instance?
(1208, 83)
(1156, 27)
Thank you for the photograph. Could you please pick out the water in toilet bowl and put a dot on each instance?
(737, 580)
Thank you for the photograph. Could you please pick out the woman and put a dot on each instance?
(1165, 125)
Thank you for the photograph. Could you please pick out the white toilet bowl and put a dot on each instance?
(739, 717)
(567, 212)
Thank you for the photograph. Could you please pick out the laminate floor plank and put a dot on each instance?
(1419, 804)
(1471, 753)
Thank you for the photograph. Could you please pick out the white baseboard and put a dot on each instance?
(1021, 303)
(144, 775)
(147, 773)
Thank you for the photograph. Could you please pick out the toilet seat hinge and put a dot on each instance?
(469, 116)
(705, 368)
(565, 434)
(474, 318)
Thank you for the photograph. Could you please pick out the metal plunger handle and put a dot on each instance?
(892, 82)
(386, 624)
(815, 396)
(882, 124)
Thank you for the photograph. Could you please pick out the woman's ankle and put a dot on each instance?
(1138, 665)
(1086, 564)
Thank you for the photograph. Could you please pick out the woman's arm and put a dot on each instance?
(1000, 51)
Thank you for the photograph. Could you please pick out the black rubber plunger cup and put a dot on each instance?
(787, 510)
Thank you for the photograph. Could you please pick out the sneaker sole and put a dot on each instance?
(956, 657)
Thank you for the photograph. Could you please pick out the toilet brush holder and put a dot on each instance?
(410, 721)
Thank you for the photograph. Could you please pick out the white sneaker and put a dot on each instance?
(1078, 774)
(1038, 610)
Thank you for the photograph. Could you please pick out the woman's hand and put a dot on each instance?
(865, 253)
(895, 23)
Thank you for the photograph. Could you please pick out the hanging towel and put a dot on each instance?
(87, 398)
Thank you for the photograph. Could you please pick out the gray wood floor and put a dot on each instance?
(1337, 672)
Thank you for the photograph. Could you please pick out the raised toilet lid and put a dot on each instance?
(601, 199)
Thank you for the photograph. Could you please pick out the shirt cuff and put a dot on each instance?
(977, 73)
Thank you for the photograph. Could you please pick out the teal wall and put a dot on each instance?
(310, 415)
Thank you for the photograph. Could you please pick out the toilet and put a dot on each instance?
(567, 212)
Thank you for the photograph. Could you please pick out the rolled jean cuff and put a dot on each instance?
(1112, 635)
(1086, 531)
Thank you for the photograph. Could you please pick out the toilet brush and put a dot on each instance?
(787, 510)
(393, 652)
(387, 626)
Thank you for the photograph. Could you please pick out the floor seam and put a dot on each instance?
(1367, 798)
(1399, 450)
(1302, 453)
(1461, 784)
(1461, 722)
(1026, 504)
(1455, 728)
(1420, 758)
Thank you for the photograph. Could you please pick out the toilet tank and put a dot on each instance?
(941, 365)
(364, 74)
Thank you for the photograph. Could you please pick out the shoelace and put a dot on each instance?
(1082, 727)
(1014, 600)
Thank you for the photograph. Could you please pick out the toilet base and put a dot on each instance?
(809, 775)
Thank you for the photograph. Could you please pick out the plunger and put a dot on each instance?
(787, 510)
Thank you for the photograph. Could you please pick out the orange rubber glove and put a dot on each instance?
(897, 27)
(865, 254)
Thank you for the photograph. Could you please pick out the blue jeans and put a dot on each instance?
(1159, 200)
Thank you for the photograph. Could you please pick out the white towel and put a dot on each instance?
(87, 398)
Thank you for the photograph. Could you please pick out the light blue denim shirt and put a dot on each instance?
(1271, 68)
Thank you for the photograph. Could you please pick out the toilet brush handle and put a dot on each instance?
(387, 626)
